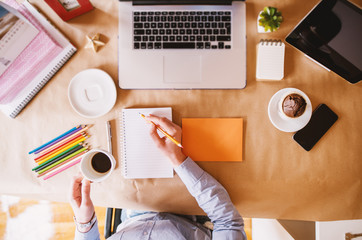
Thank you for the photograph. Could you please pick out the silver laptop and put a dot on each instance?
(175, 44)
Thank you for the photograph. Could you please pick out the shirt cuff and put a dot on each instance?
(189, 172)
(93, 233)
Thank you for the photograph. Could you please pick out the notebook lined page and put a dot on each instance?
(270, 60)
(141, 158)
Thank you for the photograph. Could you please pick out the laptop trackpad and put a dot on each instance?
(181, 69)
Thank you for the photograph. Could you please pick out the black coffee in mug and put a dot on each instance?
(101, 162)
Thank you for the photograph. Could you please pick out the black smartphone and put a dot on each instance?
(322, 119)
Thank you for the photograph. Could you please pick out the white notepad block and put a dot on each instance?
(140, 156)
(270, 60)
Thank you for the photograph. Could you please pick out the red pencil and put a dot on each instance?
(80, 130)
(63, 163)
(61, 150)
(49, 152)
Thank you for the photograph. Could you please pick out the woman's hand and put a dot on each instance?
(169, 148)
(80, 199)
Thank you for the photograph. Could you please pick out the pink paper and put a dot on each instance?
(35, 57)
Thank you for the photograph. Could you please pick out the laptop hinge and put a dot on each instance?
(182, 2)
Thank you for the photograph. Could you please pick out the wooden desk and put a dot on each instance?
(277, 178)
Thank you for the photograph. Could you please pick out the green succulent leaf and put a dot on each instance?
(271, 11)
(270, 18)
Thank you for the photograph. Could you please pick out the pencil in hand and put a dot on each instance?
(163, 131)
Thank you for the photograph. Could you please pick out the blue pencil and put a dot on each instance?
(46, 144)
(58, 140)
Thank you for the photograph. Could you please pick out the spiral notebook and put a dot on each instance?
(270, 60)
(16, 33)
(22, 81)
(140, 156)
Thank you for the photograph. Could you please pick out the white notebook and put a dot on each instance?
(140, 156)
(270, 60)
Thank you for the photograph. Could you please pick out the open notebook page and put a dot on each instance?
(141, 158)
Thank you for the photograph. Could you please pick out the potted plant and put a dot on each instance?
(269, 19)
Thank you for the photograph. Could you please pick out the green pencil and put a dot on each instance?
(55, 157)
(47, 163)
(62, 160)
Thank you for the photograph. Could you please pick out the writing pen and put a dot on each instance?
(109, 136)
(163, 131)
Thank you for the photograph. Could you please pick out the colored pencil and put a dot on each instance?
(55, 157)
(79, 155)
(59, 139)
(45, 144)
(61, 150)
(62, 160)
(58, 157)
(163, 131)
(61, 155)
(64, 145)
(54, 148)
(55, 141)
(64, 140)
(62, 169)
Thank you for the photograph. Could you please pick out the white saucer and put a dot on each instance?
(92, 93)
(284, 123)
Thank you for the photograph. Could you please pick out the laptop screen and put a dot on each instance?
(331, 34)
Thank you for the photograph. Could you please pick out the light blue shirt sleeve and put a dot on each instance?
(213, 199)
(92, 234)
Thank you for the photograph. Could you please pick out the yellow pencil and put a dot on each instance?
(163, 131)
(41, 157)
(63, 141)
(61, 150)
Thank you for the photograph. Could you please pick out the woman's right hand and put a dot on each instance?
(169, 148)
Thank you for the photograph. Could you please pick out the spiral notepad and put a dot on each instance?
(270, 60)
(140, 156)
(18, 37)
(34, 87)
(49, 65)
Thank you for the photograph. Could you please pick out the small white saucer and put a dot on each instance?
(92, 93)
(284, 123)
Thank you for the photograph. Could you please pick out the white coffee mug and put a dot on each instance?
(96, 165)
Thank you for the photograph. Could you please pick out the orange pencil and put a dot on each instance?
(76, 138)
(79, 155)
(64, 140)
(62, 160)
(61, 150)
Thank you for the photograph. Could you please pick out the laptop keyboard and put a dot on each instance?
(182, 30)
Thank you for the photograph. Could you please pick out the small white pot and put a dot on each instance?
(260, 28)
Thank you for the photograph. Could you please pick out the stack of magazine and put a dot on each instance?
(31, 52)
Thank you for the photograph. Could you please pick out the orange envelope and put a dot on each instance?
(213, 139)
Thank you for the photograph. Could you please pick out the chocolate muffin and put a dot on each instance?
(294, 105)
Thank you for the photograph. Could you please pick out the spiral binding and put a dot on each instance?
(271, 42)
(32, 94)
(123, 145)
